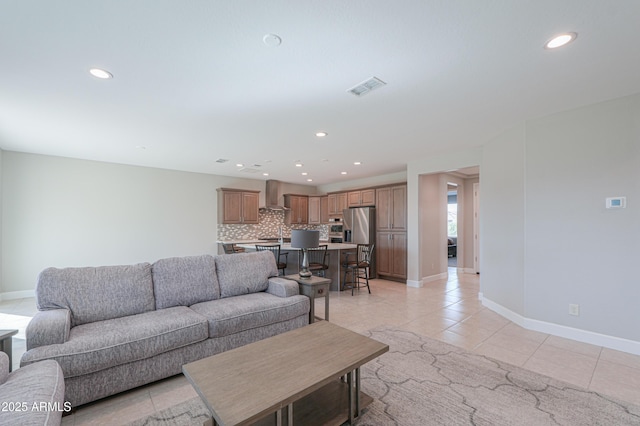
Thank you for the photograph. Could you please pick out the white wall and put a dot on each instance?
(400, 177)
(576, 250)
(432, 228)
(1, 209)
(547, 240)
(502, 221)
(465, 259)
(66, 212)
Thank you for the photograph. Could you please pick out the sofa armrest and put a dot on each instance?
(4, 367)
(283, 287)
(48, 328)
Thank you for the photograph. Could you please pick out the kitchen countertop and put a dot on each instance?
(287, 246)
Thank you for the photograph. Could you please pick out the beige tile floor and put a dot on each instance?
(448, 310)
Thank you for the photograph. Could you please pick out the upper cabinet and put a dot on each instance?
(324, 209)
(318, 210)
(337, 203)
(237, 206)
(362, 198)
(391, 208)
(298, 206)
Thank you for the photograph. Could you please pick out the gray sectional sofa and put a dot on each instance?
(33, 395)
(113, 328)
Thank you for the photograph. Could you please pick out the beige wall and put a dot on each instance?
(433, 226)
(465, 259)
(66, 212)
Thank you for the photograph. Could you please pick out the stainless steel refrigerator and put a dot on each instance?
(360, 228)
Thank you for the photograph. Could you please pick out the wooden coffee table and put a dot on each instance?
(296, 375)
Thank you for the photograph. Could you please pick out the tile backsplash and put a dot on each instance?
(269, 226)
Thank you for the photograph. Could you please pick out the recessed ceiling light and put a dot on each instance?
(239, 165)
(343, 173)
(560, 40)
(304, 173)
(298, 164)
(265, 174)
(321, 134)
(309, 180)
(100, 73)
(357, 163)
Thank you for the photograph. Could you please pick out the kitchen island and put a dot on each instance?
(336, 252)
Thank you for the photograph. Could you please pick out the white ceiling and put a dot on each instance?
(194, 82)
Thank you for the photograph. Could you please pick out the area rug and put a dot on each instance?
(422, 381)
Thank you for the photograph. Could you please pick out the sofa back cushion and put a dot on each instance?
(184, 281)
(96, 293)
(244, 273)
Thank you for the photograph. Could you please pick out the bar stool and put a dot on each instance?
(358, 265)
(318, 263)
(275, 249)
(231, 248)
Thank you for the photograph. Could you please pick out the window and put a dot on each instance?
(452, 214)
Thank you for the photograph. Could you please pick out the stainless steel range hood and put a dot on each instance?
(273, 197)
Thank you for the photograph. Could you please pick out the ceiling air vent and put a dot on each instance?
(366, 86)
(221, 160)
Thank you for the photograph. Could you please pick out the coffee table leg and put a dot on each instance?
(358, 392)
(326, 306)
(350, 385)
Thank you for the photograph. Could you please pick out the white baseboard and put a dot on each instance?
(12, 295)
(611, 342)
(437, 277)
(414, 284)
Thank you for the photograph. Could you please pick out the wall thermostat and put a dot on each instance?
(616, 202)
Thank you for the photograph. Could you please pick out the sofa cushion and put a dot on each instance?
(96, 293)
(4, 367)
(183, 281)
(244, 273)
(246, 312)
(103, 344)
(41, 384)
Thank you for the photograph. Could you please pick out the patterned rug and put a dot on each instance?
(422, 381)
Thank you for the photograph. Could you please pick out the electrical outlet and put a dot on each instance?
(574, 309)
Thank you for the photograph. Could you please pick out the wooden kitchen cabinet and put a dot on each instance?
(298, 212)
(391, 254)
(318, 210)
(337, 203)
(314, 210)
(362, 198)
(391, 208)
(391, 226)
(324, 209)
(238, 206)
